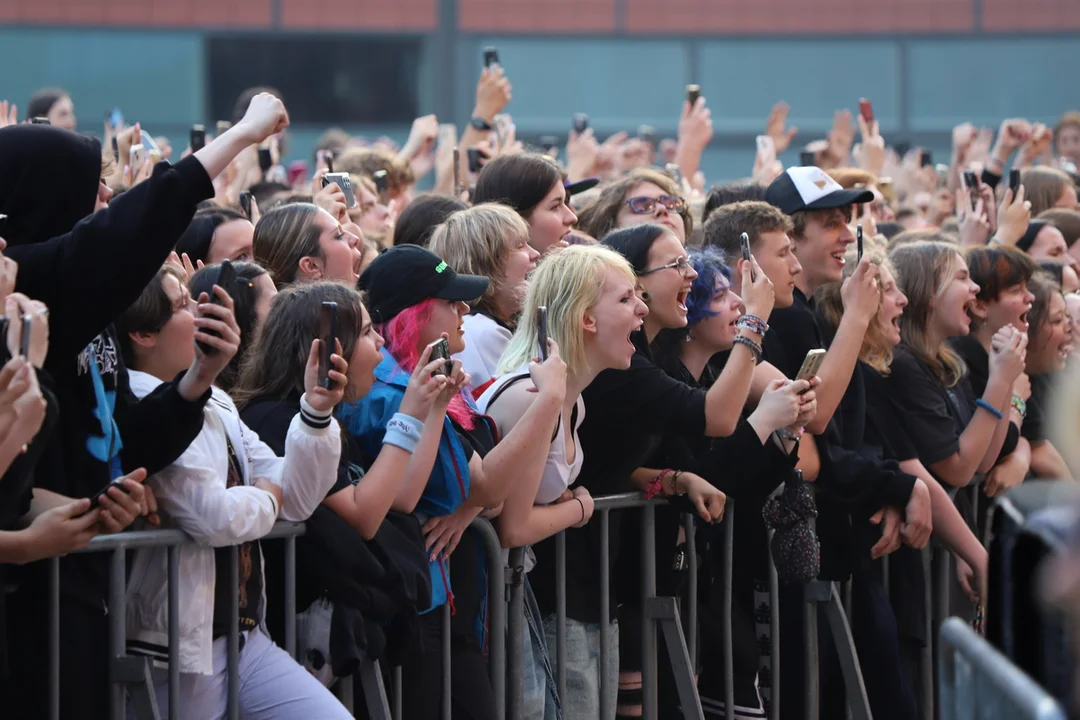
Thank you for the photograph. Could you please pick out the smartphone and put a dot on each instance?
(672, 169)
(226, 278)
(502, 125)
(807, 159)
(811, 364)
(343, 181)
(744, 243)
(580, 123)
(476, 160)
(115, 118)
(858, 244)
(549, 144)
(328, 157)
(542, 332)
(135, 156)
(382, 185)
(1014, 181)
(328, 336)
(646, 133)
(245, 203)
(491, 56)
(457, 172)
(115, 149)
(693, 92)
(447, 135)
(40, 121)
(266, 159)
(198, 138)
(95, 499)
(27, 335)
(927, 159)
(441, 351)
(971, 181)
(866, 110)
(5, 351)
(222, 126)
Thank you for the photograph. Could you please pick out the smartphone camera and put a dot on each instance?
(476, 160)
(343, 181)
(491, 57)
(581, 123)
(693, 92)
(198, 138)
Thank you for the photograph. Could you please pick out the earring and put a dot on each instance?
(689, 336)
(645, 297)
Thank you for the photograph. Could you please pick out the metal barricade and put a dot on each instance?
(976, 682)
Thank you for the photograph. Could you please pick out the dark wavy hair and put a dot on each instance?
(521, 181)
(199, 235)
(634, 243)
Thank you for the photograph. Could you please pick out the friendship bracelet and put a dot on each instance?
(1019, 406)
(754, 348)
(655, 485)
(989, 408)
(403, 431)
(752, 323)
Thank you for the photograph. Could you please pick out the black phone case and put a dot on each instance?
(226, 278)
(542, 332)
(329, 340)
(27, 334)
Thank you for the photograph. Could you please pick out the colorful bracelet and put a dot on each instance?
(989, 408)
(656, 485)
(785, 434)
(1019, 406)
(754, 348)
(752, 323)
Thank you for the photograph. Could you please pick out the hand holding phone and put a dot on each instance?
(343, 181)
(476, 160)
(744, 244)
(382, 186)
(811, 364)
(226, 278)
(580, 122)
(328, 312)
(198, 138)
(542, 332)
(441, 351)
(807, 159)
(1014, 181)
(693, 92)
(866, 110)
(245, 203)
(491, 56)
(858, 243)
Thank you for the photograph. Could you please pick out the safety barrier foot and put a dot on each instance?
(134, 674)
(665, 612)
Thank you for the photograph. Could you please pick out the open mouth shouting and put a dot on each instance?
(680, 300)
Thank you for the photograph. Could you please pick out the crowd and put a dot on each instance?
(206, 339)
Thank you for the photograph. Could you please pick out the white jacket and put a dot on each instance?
(192, 496)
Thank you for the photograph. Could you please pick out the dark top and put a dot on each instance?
(626, 412)
(383, 583)
(977, 361)
(855, 479)
(1034, 428)
(88, 268)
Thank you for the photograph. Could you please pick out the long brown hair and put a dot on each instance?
(275, 365)
(284, 235)
(923, 271)
(875, 351)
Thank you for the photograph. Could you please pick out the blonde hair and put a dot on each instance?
(567, 282)
(477, 241)
(875, 351)
(923, 272)
(1043, 186)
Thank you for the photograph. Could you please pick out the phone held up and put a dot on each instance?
(491, 56)
(542, 332)
(1014, 181)
(226, 278)
(858, 243)
(811, 364)
(382, 186)
(245, 203)
(693, 92)
(441, 351)
(328, 341)
(343, 181)
(744, 244)
(198, 138)
(580, 122)
(866, 110)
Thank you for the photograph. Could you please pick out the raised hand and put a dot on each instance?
(265, 116)
(774, 127)
(325, 399)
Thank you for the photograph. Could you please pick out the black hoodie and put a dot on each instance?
(88, 268)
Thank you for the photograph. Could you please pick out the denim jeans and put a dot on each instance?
(582, 701)
(538, 675)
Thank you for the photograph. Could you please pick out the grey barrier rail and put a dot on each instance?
(976, 682)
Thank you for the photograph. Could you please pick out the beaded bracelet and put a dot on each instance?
(989, 408)
(656, 484)
(754, 348)
(752, 323)
(1019, 406)
(785, 434)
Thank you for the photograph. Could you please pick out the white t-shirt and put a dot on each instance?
(485, 342)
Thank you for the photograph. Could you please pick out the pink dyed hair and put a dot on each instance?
(402, 334)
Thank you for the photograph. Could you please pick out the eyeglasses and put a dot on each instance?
(643, 205)
(681, 264)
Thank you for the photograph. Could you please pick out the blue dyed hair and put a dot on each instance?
(711, 272)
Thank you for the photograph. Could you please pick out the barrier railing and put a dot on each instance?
(977, 682)
(962, 662)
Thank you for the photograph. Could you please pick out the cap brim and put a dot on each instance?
(842, 198)
(464, 288)
(581, 186)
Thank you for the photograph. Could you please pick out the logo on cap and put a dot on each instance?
(441, 266)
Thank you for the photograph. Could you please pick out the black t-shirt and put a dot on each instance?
(977, 361)
(933, 417)
(1034, 428)
(626, 413)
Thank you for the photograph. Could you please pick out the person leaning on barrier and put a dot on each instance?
(416, 299)
(227, 488)
(592, 308)
(87, 273)
(747, 466)
(362, 552)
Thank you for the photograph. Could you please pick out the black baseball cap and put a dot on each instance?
(811, 188)
(406, 275)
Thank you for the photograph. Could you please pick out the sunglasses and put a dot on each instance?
(642, 205)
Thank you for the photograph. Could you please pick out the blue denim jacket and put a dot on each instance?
(448, 485)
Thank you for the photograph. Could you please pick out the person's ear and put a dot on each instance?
(310, 267)
(588, 323)
(979, 309)
(144, 340)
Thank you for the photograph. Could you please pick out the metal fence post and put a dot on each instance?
(690, 528)
(174, 631)
(117, 630)
(606, 711)
(648, 638)
(560, 620)
(290, 596)
(515, 628)
(447, 696)
(234, 634)
(54, 638)
(729, 660)
(496, 612)
(774, 635)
